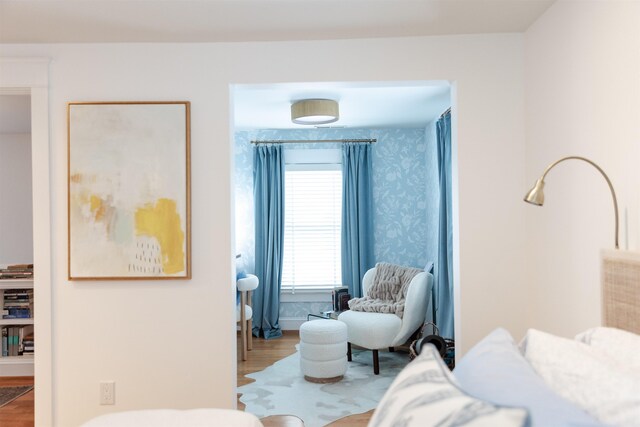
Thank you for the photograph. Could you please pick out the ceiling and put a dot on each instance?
(362, 105)
(15, 114)
(90, 21)
(406, 104)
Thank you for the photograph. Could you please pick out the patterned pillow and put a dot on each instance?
(426, 394)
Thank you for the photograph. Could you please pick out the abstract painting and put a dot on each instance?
(129, 190)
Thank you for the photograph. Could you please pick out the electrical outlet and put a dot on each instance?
(108, 393)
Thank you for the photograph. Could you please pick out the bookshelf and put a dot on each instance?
(21, 365)
(16, 284)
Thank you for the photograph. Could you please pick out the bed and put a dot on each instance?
(543, 380)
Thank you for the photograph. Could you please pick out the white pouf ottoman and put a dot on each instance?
(323, 350)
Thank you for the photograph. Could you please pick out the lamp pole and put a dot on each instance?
(536, 195)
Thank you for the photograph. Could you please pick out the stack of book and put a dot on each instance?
(17, 304)
(17, 271)
(17, 340)
(340, 297)
(27, 343)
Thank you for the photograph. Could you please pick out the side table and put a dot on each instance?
(331, 314)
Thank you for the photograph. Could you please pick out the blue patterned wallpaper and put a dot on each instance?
(400, 197)
(405, 197)
(299, 310)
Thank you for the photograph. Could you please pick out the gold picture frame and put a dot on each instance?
(129, 190)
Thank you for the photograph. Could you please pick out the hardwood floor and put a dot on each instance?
(267, 352)
(20, 412)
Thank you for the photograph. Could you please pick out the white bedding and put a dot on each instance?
(620, 346)
(587, 381)
(495, 370)
(176, 418)
(607, 388)
(425, 394)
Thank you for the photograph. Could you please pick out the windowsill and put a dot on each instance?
(307, 289)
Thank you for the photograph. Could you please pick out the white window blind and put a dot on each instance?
(312, 222)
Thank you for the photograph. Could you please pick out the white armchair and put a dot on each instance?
(382, 330)
(244, 313)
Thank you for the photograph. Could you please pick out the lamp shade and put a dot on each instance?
(315, 111)
(535, 196)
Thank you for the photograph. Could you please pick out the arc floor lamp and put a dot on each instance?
(535, 196)
(620, 278)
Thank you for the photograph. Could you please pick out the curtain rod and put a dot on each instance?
(448, 110)
(292, 141)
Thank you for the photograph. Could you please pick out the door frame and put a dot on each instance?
(30, 76)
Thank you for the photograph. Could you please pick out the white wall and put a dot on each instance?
(172, 344)
(16, 218)
(583, 98)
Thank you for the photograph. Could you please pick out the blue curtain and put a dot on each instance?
(444, 269)
(268, 193)
(357, 215)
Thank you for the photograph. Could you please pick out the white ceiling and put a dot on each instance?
(264, 107)
(362, 105)
(15, 114)
(85, 21)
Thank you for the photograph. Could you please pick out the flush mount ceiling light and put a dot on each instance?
(314, 111)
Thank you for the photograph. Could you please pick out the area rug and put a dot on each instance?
(9, 394)
(281, 389)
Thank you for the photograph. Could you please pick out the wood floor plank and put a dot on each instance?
(20, 412)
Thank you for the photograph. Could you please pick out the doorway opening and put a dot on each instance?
(400, 119)
(16, 245)
(29, 77)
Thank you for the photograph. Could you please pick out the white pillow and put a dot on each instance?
(621, 347)
(496, 371)
(426, 394)
(586, 376)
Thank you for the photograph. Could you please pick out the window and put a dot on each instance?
(312, 223)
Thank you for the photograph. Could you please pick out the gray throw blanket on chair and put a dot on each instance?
(388, 292)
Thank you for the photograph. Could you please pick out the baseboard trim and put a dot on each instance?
(291, 323)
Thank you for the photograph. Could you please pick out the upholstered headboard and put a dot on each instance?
(621, 290)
